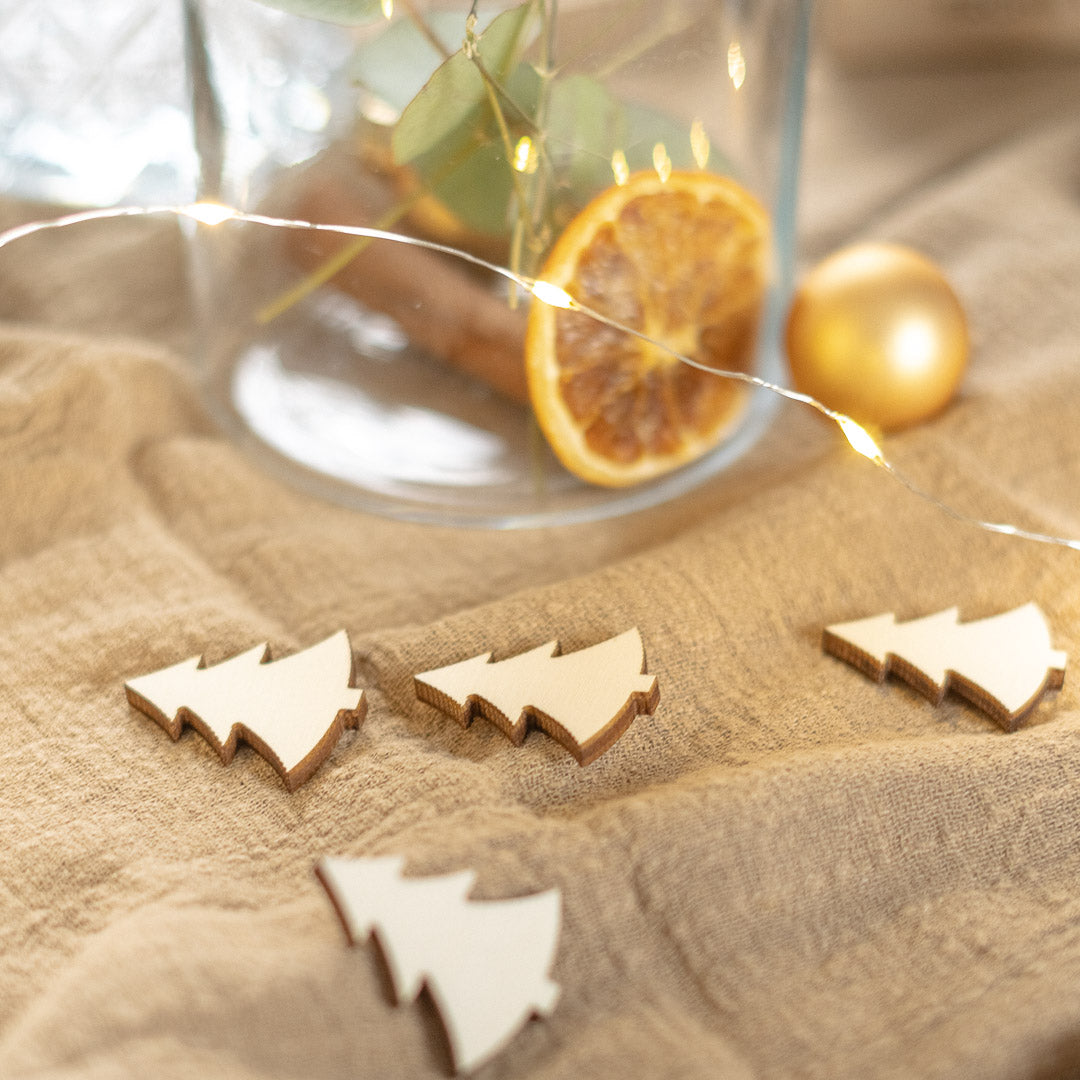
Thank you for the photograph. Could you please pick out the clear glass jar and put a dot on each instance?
(93, 103)
(398, 386)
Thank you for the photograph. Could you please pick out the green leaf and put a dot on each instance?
(468, 171)
(449, 96)
(457, 88)
(478, 193)
(347, 12)
(395, 65)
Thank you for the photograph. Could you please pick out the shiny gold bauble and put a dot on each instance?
(876, 332)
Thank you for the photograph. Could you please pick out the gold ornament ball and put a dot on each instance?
(876, 332)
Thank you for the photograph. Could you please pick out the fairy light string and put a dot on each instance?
(859, 439)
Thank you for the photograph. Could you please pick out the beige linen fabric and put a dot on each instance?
(788, 871)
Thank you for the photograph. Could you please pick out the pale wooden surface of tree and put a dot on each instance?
(484, 962)
(1003, 664)
(584, 700)
(292, 711)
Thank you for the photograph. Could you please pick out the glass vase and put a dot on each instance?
(395, 368)
(93, 103)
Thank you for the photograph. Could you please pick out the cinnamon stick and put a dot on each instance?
(444, 309)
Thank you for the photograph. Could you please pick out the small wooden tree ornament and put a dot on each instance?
(584, 700)
(484, 962)
(290, 711)
(1002, 664)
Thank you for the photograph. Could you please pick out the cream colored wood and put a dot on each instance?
(1003, 663)
(584, 700)
(484, 962)
(292, 711)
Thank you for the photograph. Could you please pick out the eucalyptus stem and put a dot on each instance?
(522, 226)
(547, 74)
(530, 189)
(551, 15)
(523, 231)
(510, 106)
(424, 27)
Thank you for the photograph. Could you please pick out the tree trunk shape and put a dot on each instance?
(484, 962)
(584, 700)
(1002, 664)
(291, 711)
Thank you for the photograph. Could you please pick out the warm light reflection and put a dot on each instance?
(661, 162)
(209, 213)
(620, 167)
(550, 294)
(388, 8)
(860, 439)
(736, 65)
(699, 144)
(915, 346)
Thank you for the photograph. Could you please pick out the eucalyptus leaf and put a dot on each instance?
(346, 12)
(478, 193)
(468, 171)
(395, 64)
(457, 87)
(447, 98)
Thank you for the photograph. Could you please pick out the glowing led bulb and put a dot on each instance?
(209, 213)
(552, 295)
(860, 439)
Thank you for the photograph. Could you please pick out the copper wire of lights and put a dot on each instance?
(860, 440)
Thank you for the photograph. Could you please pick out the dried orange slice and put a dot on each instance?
(683, 260)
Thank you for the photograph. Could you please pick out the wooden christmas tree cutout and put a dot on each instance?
(291, 711)
(584, 700)
(1002, 664)
(484, 962)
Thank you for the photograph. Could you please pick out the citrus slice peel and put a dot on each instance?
(683, 263)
